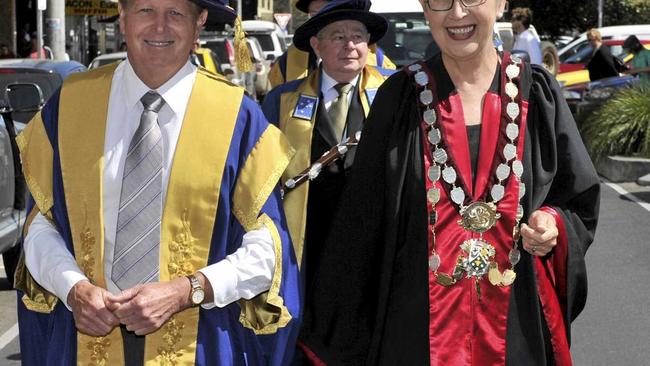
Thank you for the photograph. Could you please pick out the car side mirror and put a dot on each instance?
(24, 97)
(270, 57)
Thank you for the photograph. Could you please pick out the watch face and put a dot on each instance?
(197, 296)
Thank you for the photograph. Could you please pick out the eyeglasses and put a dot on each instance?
(444, 5)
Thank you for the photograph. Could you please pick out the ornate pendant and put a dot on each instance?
(479, 257)
(479, 217)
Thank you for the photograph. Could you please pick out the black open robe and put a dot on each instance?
(369, 304)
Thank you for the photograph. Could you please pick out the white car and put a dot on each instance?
(106, 59)
(269, 35)
(619, 32)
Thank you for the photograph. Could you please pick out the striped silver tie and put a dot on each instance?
(135, 259)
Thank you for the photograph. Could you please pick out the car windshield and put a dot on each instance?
(265, 41)
(584, 54)
(48, 82)
(219, 48)
(408, 38)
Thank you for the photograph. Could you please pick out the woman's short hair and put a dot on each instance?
(594, 34)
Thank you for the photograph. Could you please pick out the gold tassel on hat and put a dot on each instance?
(242, 57)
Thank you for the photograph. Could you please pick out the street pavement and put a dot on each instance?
(614, 328)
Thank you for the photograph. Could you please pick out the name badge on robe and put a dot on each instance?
(306, 107)
(370, 95)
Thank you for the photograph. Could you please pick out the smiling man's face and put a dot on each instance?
(160, 35)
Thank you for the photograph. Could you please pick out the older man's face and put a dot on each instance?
(160, 35)
(343, 48)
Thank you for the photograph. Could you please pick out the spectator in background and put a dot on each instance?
(641, 60)
(525, 39)
(44, 53)
(5, 52)
(23, 41)
(68, 49)
(602, 63)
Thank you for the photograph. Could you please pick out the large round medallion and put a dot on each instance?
(479, 217)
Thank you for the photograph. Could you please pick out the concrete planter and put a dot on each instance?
(623, 168)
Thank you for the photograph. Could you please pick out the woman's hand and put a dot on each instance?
(539, 236)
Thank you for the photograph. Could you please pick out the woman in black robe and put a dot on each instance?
(402, 282)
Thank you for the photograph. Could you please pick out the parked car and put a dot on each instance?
(576, 83)
(598, 92)
(581, 58)
(619, 32)
(269, 35)
(106, 59)
(223, 49)
(25, 85)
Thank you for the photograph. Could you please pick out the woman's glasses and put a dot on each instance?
(444, 5)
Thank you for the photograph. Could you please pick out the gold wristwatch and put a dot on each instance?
(197, 294)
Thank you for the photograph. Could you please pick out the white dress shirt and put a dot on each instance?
(329, 91)
(527, 41)
(243, 274)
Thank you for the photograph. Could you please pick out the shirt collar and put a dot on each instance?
(328, 82)
(172, 90)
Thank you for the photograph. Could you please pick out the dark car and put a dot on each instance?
(25, 85)
(598, 92)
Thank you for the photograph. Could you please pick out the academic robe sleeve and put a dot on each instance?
(564, 179)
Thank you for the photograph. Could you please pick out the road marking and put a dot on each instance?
(9, 336)
(629, 195)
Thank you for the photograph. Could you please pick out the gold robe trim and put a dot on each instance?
(265, 313)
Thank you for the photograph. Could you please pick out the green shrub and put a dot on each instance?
(621, 126)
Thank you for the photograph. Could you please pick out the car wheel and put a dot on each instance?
(549, 58)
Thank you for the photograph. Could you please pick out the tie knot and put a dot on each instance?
(152, 101)
(343, 88)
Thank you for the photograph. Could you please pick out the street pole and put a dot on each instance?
(39, 31)
(239, 11)
(600, 13)
(55, 20)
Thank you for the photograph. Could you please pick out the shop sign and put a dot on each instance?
(105, 8)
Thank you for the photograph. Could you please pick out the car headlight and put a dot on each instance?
(600, 93)
(571, 94)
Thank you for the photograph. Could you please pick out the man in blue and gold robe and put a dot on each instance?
(303, 109)
(296, 64)
(225, 287)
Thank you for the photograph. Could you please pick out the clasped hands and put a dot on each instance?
(143, 308)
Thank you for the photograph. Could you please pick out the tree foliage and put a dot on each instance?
(560, 17)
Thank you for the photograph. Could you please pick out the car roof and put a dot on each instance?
(63, 68)
(111, 56)
(259, 25)
(642, 31)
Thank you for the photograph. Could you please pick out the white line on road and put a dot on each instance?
(629, 195)
(9, 336)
